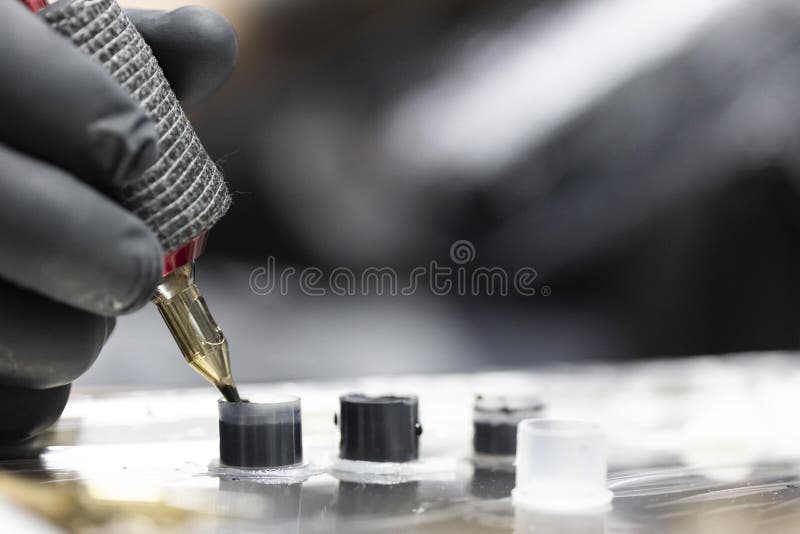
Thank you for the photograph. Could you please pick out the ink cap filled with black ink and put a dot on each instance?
(495, 420)
(261, 432)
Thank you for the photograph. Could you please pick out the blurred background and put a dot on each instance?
(640, 155)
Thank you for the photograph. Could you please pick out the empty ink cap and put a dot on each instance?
(266, 433)
(495, 419)
(379, 429)
(561, 466)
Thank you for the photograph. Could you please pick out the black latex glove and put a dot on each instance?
(71, 259)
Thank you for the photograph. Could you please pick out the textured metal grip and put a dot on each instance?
(184, 193)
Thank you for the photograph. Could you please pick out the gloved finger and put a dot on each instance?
(195, 46)
(26, 412)
(62, 239)
(43, 343)
(61, 106)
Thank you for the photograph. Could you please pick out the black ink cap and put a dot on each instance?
(379, 429)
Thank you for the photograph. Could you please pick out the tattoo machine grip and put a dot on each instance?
(183, 194)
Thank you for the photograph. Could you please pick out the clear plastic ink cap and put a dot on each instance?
(561, 466)
(495, 418)
(262, 433)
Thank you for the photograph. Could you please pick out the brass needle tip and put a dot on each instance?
(229, 393)
(200, 339)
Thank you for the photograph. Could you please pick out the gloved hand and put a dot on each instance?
(71, 259)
